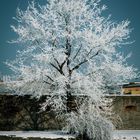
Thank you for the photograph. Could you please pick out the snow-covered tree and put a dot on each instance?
(69, 49)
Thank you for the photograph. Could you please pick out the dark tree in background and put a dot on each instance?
(9, 108)
(23, 113)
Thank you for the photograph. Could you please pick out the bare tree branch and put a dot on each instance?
(77, 52)
(84, 61)
(49, 78)
(55, 66)
(59, 70)
(47, 83)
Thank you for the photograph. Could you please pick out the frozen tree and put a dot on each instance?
(69, 49)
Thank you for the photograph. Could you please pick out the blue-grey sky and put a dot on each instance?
(119, 9)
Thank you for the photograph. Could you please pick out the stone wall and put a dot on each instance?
(128, 109)
(21, 113)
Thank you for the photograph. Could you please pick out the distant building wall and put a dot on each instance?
(128, 108)
(131, 88)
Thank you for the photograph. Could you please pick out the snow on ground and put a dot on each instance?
(118, 135)
(126, 135)
(40, 134)
(124, 95)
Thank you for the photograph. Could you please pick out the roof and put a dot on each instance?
(133, 84)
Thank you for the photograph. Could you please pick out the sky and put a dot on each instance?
(119, 9)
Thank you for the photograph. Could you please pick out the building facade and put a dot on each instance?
(131, 88)
(128, 109)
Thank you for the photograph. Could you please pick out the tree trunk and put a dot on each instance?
(69, 98)
(84, 136)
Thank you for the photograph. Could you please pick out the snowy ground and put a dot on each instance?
(127, 135)
(125, 95)
(40, 134)
(118, 135)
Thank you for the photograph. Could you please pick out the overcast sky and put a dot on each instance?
(119, 9)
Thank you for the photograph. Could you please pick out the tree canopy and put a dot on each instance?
(68, 48)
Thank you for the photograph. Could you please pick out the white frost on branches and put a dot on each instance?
(69, 49)
(89, 120)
